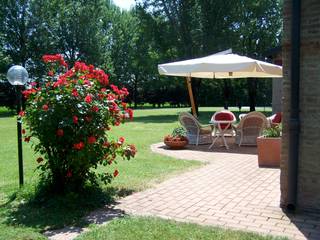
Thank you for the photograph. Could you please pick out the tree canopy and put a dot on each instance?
(130, 44)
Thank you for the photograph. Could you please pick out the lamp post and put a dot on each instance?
(18, 76)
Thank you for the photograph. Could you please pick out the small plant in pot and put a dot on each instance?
(178, 139)
(269, 147)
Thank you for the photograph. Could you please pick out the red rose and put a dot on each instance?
(50, 73)
(45, 107)
(75, 93)
(106, 144)
(91, 140)
(101, 96)
(115, 89)
(133, 149)
(121, 140)
(110, 97)
(69, 174)
(22, 113)
(55, 58)
(75, 119)
(88, 99)
(78, 146)
(91, 68)
(124, 105)
(39, 160)
(87, 82)
(27, 139)
(130, 113)
(95, 109)
(60, 132)
(115, 173)
(23, 131)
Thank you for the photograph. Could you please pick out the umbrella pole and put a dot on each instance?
(193, 106)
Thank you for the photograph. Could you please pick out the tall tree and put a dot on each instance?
(258, 26)
(16, 30)
(76, 28)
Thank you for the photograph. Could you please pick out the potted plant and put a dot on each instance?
(178, 139)
(269, 147)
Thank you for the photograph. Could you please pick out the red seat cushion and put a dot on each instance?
(277, 118)
(224, 116)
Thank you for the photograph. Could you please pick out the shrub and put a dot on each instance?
(273, 132)
(69, 113)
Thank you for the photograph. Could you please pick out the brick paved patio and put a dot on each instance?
(230, 191)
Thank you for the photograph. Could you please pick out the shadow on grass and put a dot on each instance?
(204, 117)
(156, 119)
(57, 211)
(8, 113)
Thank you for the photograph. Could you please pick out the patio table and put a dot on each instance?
(219, 132)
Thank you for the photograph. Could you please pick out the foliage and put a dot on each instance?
(130, 44)
(179, 132)
(273, 132)
(185, 29)
(69, 114)
(7, 94)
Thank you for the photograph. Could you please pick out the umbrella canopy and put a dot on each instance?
(221, 65)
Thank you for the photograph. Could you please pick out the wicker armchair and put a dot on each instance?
(196, 133)
(250, 127)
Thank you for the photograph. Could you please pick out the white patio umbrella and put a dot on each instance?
(221, 65)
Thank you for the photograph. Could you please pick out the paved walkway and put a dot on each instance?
(230, 191)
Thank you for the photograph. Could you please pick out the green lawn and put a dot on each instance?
(132, 228)
(21, 211)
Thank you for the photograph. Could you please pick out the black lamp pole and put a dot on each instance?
(19, 129)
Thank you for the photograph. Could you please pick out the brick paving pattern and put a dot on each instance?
(230, 191)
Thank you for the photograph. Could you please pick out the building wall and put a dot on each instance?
(308, 196)
(277, 92)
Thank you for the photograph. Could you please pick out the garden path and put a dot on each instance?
(230, 191)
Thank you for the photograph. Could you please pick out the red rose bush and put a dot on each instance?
(69, 115)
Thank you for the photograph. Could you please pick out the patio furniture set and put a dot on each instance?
(223, 123)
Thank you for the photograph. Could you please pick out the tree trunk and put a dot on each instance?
(195, 83)
(252, 91)
(226, 93)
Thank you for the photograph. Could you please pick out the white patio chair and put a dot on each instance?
(196, 133)
(250, 127)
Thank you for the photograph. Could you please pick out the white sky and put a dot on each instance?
(125, 4)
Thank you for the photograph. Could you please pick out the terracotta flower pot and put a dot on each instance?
(269, 151)
(176, 144)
